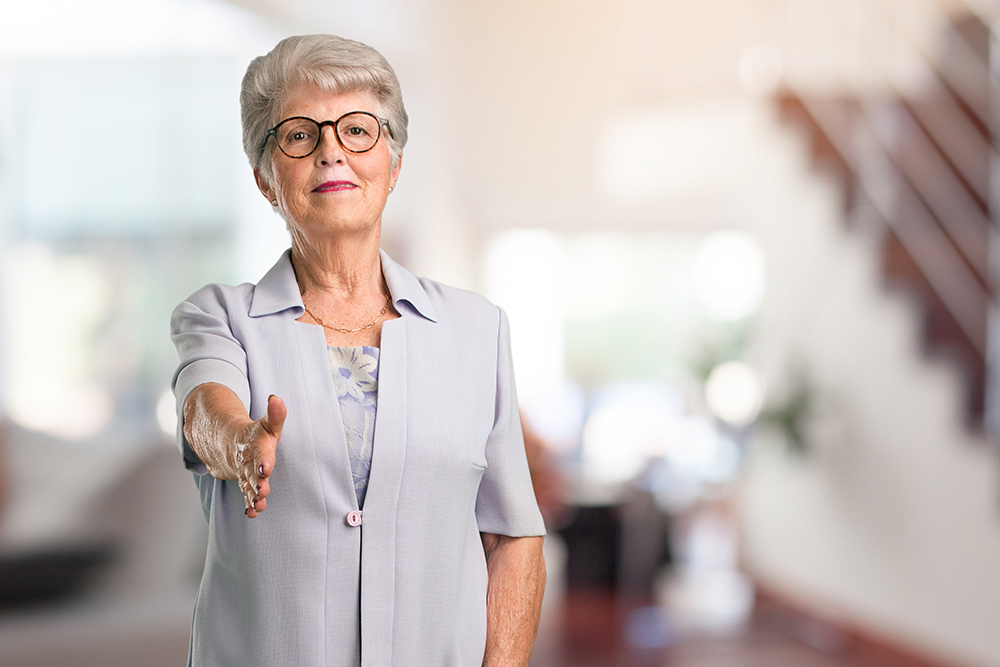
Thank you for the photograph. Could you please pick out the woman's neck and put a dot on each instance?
(343, 290)
(342, 268)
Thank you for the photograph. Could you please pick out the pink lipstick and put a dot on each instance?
(334, 186)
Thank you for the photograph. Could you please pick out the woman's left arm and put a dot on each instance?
(516, 572)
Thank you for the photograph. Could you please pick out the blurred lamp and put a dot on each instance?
(734, 393)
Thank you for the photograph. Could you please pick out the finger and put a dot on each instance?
(249, 509)
(248, 499)
(255, 507)
(262, 465)
(246, 488)
(251, 491)
(259, 463)
(255, 490)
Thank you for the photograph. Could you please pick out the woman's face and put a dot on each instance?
(332, 190)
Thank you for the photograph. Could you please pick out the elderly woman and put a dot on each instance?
(353, 430)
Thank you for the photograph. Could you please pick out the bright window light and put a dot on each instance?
(693, 447)
(557, 418)
(53, 306)
(629, 424)
(525, 271)
(729, 275)
(605, 276)
(43, 29)
(166, 413)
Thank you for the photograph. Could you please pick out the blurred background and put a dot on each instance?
(748, 251)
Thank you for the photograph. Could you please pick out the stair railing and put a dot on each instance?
(940, 188)
(917, 228)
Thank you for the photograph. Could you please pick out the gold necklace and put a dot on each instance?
(367, 326)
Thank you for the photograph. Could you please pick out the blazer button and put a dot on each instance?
(354, 518)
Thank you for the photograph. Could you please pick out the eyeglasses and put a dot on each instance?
(298, 136)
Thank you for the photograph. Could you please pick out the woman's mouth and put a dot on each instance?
(334, 186)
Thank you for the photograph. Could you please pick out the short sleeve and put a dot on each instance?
(506, 502)
(209, 352)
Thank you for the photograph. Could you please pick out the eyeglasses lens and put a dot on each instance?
(358, 132)
(298, 137)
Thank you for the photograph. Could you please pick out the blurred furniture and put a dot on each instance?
(102, 548)
(618, 546)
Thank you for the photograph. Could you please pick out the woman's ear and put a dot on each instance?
(395, 173)
(264, 186)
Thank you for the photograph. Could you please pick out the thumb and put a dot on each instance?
(272, 424)
(274, 421)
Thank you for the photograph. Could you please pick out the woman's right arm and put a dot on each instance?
(230, 444)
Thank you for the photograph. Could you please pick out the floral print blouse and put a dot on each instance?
(355, 376)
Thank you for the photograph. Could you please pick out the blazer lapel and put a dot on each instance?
(329, 443)
(378, 545)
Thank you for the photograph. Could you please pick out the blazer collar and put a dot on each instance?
(278, 291)
(404, 286)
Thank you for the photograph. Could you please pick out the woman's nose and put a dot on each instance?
(329, 150)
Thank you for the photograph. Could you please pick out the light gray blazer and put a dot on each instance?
(300, 585)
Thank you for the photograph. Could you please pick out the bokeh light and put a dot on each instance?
(734, 393)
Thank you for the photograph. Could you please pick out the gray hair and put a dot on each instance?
(332, 63)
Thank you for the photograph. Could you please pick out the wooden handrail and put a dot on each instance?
(970, 72)
(959, 139)
(966, 299)
(931, 171)
(939, 187)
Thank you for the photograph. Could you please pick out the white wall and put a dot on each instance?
(893, 520)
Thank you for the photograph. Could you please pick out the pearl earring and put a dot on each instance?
(390, 188)
(274, 202)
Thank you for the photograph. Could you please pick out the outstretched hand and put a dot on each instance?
(255, 459)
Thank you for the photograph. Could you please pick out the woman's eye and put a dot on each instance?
(299, 133)
(356, 131)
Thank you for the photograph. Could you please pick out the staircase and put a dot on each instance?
(915, 161)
